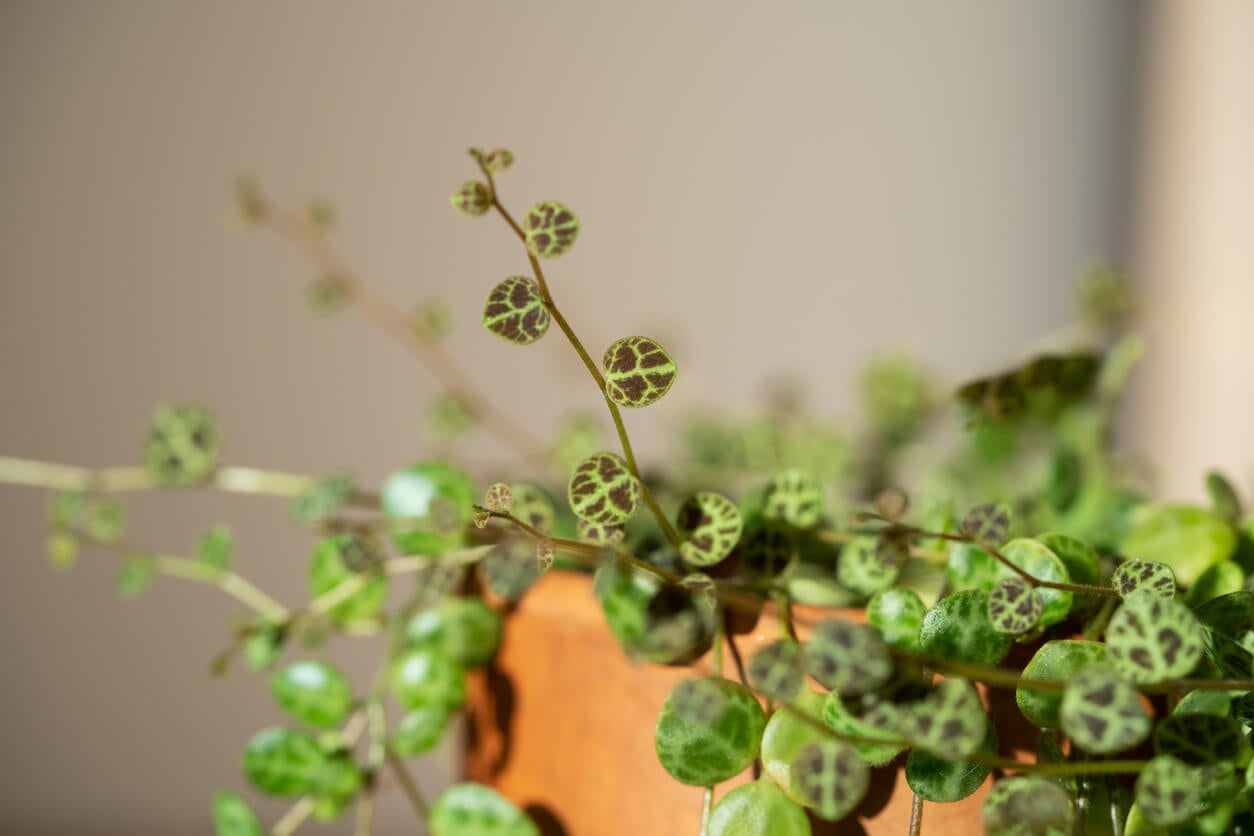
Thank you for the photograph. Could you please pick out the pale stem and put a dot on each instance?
(294, 817)
(415, 796)
(249, 480)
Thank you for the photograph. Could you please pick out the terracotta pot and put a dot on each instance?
(562, 724)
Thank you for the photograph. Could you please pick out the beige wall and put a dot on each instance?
(768, 187)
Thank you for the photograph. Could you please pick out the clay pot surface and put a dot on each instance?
(562, 724)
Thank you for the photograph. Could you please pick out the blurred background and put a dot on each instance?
(770, 189)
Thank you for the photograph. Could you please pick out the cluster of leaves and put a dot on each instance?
(1027, 560)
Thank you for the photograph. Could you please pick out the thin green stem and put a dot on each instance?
(247, 480)
(416, 799)
(916, 816)
(707, 803)
(365, 813)
(229, 582)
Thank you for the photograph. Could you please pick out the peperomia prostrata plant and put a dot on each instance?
(1024, 559)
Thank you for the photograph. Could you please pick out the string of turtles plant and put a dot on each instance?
(1025, 560)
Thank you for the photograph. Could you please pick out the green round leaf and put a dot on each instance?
(475, 810)
(898, 615)
(638, 371)
(778, 669)
(1152, 639)
(263, 647)
(705, 754)
(283, 762)
(423, 677)
(850, 658)
(988, 525)
(338, 780)
(1101, 713)
(862, 567)
(758, 809)
(870, 718)
(135, 575)
(106, 520)
(1199, 739)
(1185, 538)
(1168, 791)
(795, 498)
(1042, 564)
(465, 630)
(830, 778)
(1220, 579)
(1015, 606)
(550, 229)
(1132, 575)
(313, 692)
(1079, 557)
(790, 729)
(182, 445)
(699, 701)
(328, 569)
(429, 506)
(216, 547)
(233, 817)
(970, 567)
(471, 198)
(1028, 806)
(944, 781)
(949, 722)
(515, 311)
(1056, 661)
(602, 490)
(62, 548)
(419, 730)
(710, 526)
(958, 629)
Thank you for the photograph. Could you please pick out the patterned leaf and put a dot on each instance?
(830, 778)
(988, 525)
(475, 810)
(1015, 606)
(1038, 561)
(699, 701)
(313, 692)
(862, 568)
(533, 506)
(550, 229)
(898, 615)
(1149, 575)
(499, 498)
(849, 658)
(182, 445)
(1056, 661)
(949, 721)
(1152, 639)
(471, 198)
(600, 535)
(462, 628)
(958, 629)
(940, 780)
(511, 568)
(281, 761)
(638, 371)
(1101, 713)
(870, 718)
(710, 526)
(759, 808)
(515, 311)
(425, 677)
(1028, 805)
(497, 160)
(793, 497)
(420, 730)
(703, 754)
(1168, 791)
(1199, 739)
(602, 490)
(779, 669)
